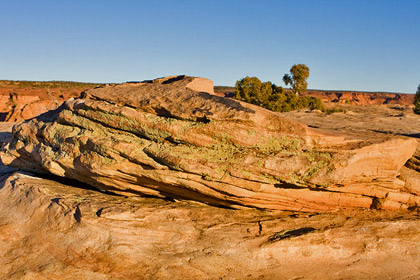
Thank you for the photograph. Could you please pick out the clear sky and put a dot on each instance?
(371, 45)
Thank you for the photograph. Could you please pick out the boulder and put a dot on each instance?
(173, 138)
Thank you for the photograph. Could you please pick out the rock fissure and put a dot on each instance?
(290, 234)
(77, 214)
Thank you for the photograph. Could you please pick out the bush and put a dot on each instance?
(417, 101)
(335, 110)
(272, 97)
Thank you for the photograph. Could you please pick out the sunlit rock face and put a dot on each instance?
(52, 230)
(172, 137)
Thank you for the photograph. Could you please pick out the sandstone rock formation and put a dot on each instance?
(18, 108)
(172, 137)
(51, 230)
(362, 98)
(21, 100)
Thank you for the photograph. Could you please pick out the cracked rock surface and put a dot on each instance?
(173, 138)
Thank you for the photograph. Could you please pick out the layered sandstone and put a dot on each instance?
(172, 137)
(52, 230)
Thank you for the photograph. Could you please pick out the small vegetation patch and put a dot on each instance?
(334, 110)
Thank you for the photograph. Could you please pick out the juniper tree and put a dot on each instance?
(299, 73)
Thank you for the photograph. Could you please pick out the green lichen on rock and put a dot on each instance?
(125, 123)
(252, 132)
(313, 155)
(217, 153)
(149, 136)
(314, 169)
(275, 145)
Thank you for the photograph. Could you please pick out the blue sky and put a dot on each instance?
(371, 45)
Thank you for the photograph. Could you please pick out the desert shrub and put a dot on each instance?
(417, 101)
(272, 97)
(334, 110)
(252, 90)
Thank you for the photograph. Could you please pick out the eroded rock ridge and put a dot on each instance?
(172, 137)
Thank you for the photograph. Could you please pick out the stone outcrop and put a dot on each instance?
(52, 230)
(19, 108)
(362, 98)
(173, 138)
(21, 100)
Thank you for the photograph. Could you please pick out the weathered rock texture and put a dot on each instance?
(172, 137)
(50, 230)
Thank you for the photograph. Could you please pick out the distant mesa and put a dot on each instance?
(362, 98)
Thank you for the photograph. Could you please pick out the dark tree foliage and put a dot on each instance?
(272, 97)
(299, 73)
(417, 101)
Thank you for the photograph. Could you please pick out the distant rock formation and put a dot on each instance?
(362, 98)
(14, 107)
(172, 137)
(21, 100)
(358, 98)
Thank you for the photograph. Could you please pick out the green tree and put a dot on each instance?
(299, 73)
(272, 97)
(417, 101)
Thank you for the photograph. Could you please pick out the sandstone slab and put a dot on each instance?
(52, 230)
(173, 138)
